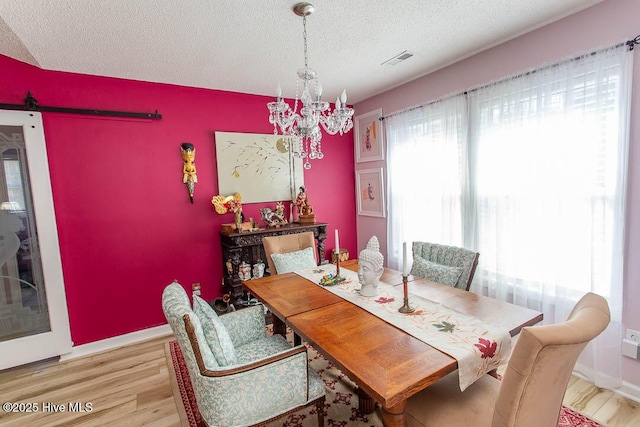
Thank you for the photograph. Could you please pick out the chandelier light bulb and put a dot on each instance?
(337, 103)
(343, 97)
(319, 90)
(306, 96)
(278, 91)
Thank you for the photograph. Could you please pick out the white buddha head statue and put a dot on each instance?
(370, 268)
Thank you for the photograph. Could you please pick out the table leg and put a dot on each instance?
(366, 404)
(394, 416)
(279, 327)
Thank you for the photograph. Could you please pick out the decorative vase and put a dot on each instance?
(238, 222)
(244, 271)
(258, 269)
(220, 306)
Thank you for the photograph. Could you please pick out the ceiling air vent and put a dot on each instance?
(398, 58)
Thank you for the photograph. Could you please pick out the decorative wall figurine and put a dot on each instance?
(189, 176)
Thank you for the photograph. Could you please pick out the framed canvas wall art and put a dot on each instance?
(370, 192)
(369, 137)
(258, 166)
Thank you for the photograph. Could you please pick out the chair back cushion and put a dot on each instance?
(541, 364)
(449, 256)
(175, 304)
(285, 244)
(215, 333)
(437, 272)
(292, 261)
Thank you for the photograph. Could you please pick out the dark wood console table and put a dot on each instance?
(247, 247)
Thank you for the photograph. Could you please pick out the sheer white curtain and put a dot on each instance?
(532, 173)
(550, 167)
(427, 152)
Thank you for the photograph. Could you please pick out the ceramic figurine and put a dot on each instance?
(305, 210)
(331, 279)
(273, 219)
(301, 201)
(370, 268)
(280, 212)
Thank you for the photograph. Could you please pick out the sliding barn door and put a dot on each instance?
(34, 323)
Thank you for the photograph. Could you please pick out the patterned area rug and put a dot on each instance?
(341, 406)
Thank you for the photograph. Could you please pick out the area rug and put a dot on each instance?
(341, 406)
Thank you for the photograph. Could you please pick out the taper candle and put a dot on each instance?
(404, 258)
(337, 243)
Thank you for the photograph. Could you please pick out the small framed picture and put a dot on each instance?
(369, 137)
(370, 192)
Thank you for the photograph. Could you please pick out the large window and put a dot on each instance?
(532, 176)
(427, 163)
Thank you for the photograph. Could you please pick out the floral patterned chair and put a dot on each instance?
(449, 265)
(240, 375)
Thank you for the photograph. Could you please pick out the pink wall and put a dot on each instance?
(605, 24)
(125, 223)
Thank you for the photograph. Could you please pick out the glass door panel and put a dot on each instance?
(23, 304)
(34, 323)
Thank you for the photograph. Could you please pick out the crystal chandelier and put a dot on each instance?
(302, 127)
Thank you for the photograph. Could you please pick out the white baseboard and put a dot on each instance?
(115, 342)
(626, 389)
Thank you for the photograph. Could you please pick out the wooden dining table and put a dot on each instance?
(388, 364)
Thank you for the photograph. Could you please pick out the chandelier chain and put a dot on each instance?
(304, 35)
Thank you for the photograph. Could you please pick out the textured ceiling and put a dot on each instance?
(250, 46)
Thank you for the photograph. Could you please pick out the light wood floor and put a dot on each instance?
(130, 386)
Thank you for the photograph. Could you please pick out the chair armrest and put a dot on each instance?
(238, 369)
(245, 395)
(245, 325)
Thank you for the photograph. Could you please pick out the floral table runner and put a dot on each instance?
(478, 347)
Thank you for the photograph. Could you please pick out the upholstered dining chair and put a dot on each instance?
(449, 265)
(290, 252)
(533, 386)
(240, 376)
